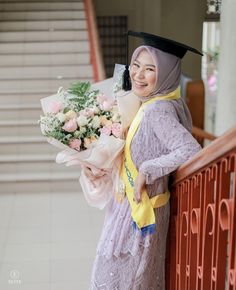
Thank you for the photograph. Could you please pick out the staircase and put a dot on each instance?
(43, 45)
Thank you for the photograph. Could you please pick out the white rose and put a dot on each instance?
(82, 121)
(61, 117)
(115, 117)
(96, 110)
(95, 122)
(70, 115)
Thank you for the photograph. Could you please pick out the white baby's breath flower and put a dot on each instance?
(77, 134)
(95, 122)
(82, 130)
(82, 121)
(96, 110)
(115, 109)
(49, 123)
(61, 117)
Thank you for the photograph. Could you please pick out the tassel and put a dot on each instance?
(126, 85)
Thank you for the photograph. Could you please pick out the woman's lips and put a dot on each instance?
(140, 84)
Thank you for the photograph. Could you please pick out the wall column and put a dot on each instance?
(226, 99)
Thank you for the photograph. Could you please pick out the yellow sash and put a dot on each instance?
(142, 213)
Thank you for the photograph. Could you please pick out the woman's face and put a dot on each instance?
(143, 74)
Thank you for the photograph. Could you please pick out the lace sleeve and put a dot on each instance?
(179, 144)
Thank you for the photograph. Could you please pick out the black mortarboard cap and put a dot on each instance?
(167, 45)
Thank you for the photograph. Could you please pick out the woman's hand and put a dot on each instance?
(139, 186)
(91, 175)
(88, 173)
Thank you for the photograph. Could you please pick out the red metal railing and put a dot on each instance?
(201, 252)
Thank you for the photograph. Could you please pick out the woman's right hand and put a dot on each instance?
(88, 173)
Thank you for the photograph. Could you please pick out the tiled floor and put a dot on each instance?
(47, 241)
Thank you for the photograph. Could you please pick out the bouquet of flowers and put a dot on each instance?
(86, 124)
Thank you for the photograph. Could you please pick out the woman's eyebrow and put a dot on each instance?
(152, 65)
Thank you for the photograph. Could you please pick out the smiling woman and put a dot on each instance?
(131, 250)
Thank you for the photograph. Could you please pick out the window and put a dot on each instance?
(111, 31)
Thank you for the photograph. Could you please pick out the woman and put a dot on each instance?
(128, 259)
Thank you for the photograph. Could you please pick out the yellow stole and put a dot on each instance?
(142, 213)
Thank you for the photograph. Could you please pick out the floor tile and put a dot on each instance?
(71, 270)
(27, 252)
(30, 234)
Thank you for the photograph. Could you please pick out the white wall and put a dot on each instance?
(181, 20)
(226, 100)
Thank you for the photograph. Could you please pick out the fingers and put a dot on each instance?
(139, 185)
(88, 173)
(137, 196)
(93, 175)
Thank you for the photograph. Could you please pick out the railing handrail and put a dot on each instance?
(203, 134)
(219, 147)
(95, 48)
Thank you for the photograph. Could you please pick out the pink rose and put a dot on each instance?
(101, 98)
(107, 105)
(106, 130)
(116, 130)
(75, 144)
(83, 113)
(70, 126)
(88, 112)
(55, 107)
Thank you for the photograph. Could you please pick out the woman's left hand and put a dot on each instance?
(138, 186)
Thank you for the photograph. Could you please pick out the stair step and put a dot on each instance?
(14, 158)
(25, 145)
(57, 186)
(39, 177)
(43, 36)
(21, 86)
(40, 182)
(44, 47)
(20, 106)
(23, 139)
(42, 25)
(46, 6)
(22, 97)
(45, 72)
(35, 166)
(19, 116)
(45, 59)
(42, 15)
(19, 128)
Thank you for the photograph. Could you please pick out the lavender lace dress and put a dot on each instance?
(125, 260)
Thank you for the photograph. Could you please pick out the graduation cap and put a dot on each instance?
(167, 45)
